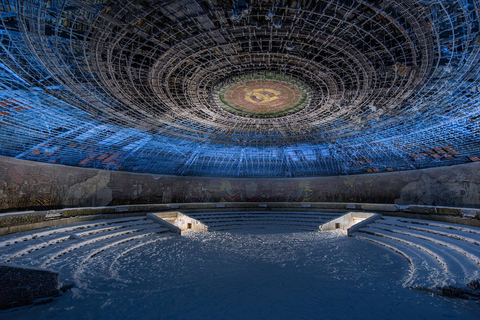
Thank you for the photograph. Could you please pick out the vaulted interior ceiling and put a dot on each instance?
(241, 88)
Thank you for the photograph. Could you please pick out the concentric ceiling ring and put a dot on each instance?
(263, 98)
(158, 66)
(137, 85)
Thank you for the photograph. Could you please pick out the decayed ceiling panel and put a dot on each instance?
(241, 88)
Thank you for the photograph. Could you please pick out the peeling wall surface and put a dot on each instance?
(34, 185)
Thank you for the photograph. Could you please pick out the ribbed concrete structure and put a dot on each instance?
(262, 121)
(140, 85)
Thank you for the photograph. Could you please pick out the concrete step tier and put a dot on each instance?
(443, 257)
(300, 221)
(71, 247)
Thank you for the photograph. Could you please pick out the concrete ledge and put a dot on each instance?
(350, 222)
(332, 205)
(368, 218)
(27, 220)
(421, 209)
(450, 219)
(60, 222)
(21, 286)
(380, 207)
(444, 211)
(157, 219)
(177, 222)
(471, 213)
(447, 211)
(185, 222)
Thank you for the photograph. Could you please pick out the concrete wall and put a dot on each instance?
(20, 286)
(32, 185)
(350, 221)
(177, 222)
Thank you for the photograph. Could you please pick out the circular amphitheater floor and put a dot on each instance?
(131, 268)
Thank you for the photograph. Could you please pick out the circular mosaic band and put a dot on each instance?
(263, 98)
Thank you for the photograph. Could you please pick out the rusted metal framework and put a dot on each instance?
(134, 85)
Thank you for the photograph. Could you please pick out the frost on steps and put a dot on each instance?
(444, 258)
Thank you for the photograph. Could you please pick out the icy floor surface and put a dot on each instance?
(243, 275)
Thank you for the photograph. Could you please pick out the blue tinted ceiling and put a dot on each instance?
(135, 85)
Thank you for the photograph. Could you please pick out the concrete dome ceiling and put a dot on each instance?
(241, 88)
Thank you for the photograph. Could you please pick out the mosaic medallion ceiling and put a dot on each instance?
(241, 88)
(263, 98)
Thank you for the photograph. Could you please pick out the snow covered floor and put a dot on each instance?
(132, 269)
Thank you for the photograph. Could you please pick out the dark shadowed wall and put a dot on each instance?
(32, 185)
(20, 286)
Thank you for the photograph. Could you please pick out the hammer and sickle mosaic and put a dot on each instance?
(261, 96)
